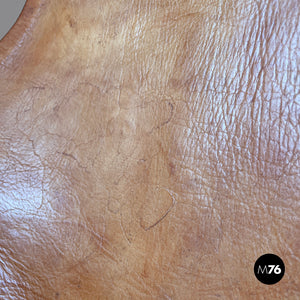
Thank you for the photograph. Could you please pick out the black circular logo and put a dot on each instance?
(269, 269)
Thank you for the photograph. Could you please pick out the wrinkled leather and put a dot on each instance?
(149, 149)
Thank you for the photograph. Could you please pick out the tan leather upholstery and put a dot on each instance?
(149, 149)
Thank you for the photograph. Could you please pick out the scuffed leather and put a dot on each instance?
(149, 149)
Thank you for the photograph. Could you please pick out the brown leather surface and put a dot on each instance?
(149, 149)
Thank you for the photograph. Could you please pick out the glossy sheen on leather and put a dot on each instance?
(149, 149)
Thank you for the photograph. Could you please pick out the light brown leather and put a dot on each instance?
(149, 149)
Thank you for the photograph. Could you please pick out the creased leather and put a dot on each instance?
(149, 149)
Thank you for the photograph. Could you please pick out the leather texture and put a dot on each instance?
(149, 149)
